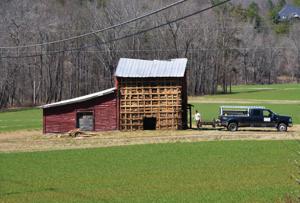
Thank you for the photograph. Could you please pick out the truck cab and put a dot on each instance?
(233, 117)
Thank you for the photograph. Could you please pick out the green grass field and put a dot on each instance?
(29, 119)
(235, 171)
(223, 171)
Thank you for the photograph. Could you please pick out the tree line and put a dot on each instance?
(229, 45)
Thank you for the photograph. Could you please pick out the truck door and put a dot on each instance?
(256, 118)
(268, 120)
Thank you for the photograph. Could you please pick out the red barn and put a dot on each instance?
(93, 112)
(149, 95)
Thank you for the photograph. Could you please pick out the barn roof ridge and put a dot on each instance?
(140, 68)
(80, 99)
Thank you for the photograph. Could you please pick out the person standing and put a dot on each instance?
(198, 119)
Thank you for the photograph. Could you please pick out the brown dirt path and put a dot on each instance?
(34, 140)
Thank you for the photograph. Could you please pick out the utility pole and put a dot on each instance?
(34, 89)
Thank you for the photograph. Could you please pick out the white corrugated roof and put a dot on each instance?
(80, 99)
(137, 68)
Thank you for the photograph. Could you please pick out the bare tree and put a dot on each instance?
(222, 49)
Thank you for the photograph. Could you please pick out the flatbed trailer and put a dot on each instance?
(214, 123)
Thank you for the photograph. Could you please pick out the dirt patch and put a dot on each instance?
(35, 141)
(18, 134)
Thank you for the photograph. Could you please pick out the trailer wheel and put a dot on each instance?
(282, 127)
(232, 127)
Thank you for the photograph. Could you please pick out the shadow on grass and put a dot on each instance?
(30, 191)
(207, 129)
(246, 91)
(18, 109)
(261, 130)
(239, 130)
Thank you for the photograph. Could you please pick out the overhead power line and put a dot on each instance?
(98, 31)
(171, 50)
(126, 36)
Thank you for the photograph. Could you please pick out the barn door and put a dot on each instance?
(85, 121)
(149, 123)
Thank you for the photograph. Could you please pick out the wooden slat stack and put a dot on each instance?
(159, 98)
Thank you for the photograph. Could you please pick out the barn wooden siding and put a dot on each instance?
(61, 119)
(164, 99)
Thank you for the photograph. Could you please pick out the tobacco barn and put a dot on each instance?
(152, 94)
(93, 112)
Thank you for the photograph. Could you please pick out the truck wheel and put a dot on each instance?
(282, 127)
(232, 127)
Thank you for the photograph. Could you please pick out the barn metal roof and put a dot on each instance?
(137, 68)
(80, 99)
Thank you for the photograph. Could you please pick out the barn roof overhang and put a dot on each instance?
(137, 68)
(80, 99)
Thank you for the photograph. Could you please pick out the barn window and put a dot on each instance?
(85, 121)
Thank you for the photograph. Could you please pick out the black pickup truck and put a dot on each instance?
(233, 117)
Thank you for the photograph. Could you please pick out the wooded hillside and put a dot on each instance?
(233, 44)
